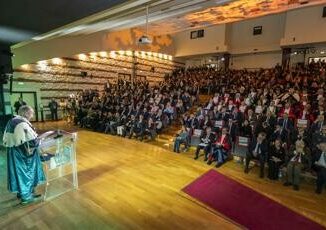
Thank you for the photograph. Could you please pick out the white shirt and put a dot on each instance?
(322, 160)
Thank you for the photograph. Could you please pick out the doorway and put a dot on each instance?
(28, 97)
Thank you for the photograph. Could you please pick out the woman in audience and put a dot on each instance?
(221, 148)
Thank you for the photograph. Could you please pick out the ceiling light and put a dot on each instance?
(82, 57)
(113, 54)
(25, 66)
(42, 65)
(57, 61)
(41, 62)
(103, 54)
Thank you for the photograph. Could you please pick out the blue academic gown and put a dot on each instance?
(25, 170)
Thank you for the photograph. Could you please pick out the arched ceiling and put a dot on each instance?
(50, 19)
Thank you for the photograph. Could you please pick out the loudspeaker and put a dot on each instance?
(257, 30)
(324, 12)
(5, 64)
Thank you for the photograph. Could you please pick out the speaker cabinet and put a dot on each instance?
(257, 30)
(5, 64)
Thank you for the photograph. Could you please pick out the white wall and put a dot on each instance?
(304, 25)
(259, 60)
(101, 41)
(212, 42)
(240, 38)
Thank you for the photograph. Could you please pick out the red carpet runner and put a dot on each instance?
(244, 205)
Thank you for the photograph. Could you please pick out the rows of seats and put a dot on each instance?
(272, 116)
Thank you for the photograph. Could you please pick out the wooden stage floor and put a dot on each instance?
(127, 184)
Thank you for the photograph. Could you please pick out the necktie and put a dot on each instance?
(284, 123)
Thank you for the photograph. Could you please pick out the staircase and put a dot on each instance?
(166, 138)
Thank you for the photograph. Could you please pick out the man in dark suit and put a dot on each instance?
(53, 106)
(319, 160)
(286, 123)
(224, 115)
(18, 104)
(138, 128)
(258, 149)
(279, 133)
(317, 126)
(206, 143)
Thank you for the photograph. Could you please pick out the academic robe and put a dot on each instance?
(24, 164)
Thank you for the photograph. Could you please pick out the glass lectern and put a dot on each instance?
(58, 154)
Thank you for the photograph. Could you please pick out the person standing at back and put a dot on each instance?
(53, 106)
(18, 104)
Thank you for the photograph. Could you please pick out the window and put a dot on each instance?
(193, 34)
(200, 33)
(196, 34)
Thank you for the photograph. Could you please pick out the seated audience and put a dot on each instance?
(221, 148)
(319, 162)
(299, 161)
(276, 159)
(205, 143)
(181, 138)
(269, 106)
(258, 149)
